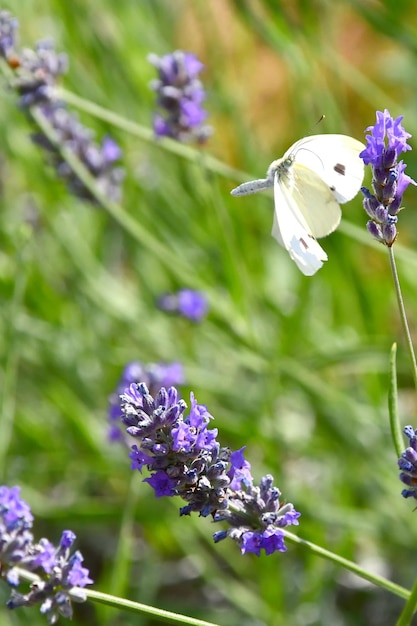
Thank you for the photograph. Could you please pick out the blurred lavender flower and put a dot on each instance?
(185, 459)
(180, 96)
(408, 464)
(155, 375)
(387, 141)
(58, 570)
(8, 36)
(36, 73)
(99, 160)
(187, 302)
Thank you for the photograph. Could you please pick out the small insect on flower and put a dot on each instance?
(313, 177)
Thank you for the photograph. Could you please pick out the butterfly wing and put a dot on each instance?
(290, 229)
(335, 158)
(312, 202)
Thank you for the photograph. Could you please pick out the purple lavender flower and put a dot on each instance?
(14, 512)
(99, 160)
(16, 539)
(155, 375)
(36, 73)
(239, 472)
(180, 96)
(187, 302)
(57, 569)
(8, 36)
(408, 464)
(256, 516)
(385, 143)
(185, 459)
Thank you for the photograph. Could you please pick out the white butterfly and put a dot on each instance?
(312, 178)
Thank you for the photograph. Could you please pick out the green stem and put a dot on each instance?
(147, 135)
(394, 417)
(121, 603)
(379, 581)
(121, 565)
(143, 609)
(409, 609)
(12, 350)
(403, 314)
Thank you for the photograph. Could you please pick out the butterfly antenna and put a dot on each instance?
(322, 117)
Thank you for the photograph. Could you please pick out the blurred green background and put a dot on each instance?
(294, 368)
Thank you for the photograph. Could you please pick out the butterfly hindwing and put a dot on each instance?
(292, 233)
(314, 204)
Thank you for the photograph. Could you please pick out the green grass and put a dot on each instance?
(294, 368)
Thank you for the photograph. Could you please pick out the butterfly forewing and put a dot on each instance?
(335, 158)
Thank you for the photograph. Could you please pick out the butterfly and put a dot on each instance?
(314, 176)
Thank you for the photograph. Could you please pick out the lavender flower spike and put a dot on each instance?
(36, 74)
(58, 570)
(180, 96)
(386, 141)
(8, 36)
(185, 459)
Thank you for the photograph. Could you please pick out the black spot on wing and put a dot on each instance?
(305, 243)
(340, 169)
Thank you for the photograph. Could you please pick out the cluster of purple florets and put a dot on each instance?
(185, 302)
(180, 95)
(58, 570)
(35, 75)
(386, 141)
(154, 375)
(408, 464)
(185, 459)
